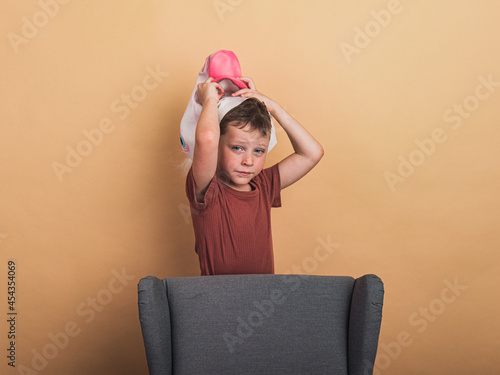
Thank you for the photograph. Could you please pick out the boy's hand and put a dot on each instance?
(206, 137)
(210, 90)
(271, 105)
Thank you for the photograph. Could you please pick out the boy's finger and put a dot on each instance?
(240, 92)
(248, 81)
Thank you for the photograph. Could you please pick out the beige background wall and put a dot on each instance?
(403, 95)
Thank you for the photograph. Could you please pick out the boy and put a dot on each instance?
(230, 193)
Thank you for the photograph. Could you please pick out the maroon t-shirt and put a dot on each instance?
(233, 228)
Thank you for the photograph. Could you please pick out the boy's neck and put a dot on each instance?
(223, 179)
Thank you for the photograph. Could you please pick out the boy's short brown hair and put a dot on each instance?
(250, 112)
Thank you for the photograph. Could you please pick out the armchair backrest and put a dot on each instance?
(261, 324)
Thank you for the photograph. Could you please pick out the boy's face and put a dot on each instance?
(242, 153)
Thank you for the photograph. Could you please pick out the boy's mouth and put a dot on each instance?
(244, 173)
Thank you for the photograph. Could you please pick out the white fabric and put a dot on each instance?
(227, 103)
(193, 110)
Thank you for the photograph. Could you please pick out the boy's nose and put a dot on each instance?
(248, 159)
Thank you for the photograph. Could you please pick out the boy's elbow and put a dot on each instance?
(207, 138)
(314, 157)
(319, 154)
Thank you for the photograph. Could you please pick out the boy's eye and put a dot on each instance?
(240, 148)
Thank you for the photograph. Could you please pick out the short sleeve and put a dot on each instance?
(191, 192)
(276, 190)
(272, 184)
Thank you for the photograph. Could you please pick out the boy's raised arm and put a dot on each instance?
(206, 137)
(308, 151)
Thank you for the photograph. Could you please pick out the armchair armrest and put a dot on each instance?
(364, 324)
(154, 315)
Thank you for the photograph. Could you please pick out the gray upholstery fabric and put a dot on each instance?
(366, 312)
(154, 316)
(260, 324)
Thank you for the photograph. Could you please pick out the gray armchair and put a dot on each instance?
(261, 324)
